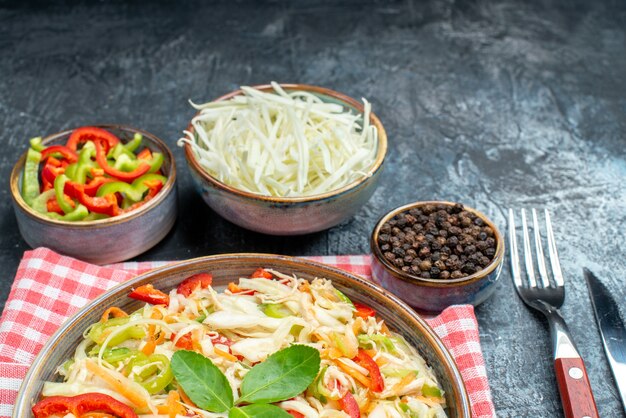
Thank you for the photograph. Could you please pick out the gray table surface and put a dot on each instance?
(493, 104)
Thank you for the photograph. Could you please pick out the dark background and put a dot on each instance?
(493, 104)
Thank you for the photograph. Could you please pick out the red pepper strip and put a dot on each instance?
(81, 404)
(147, 293)
(220, 339)
(53, 162)
(101, 159)
(363, 311)
(187, 286)
(145, 154)
(90, 133)
(364, 360)
(295, 414)
(92, 187)
(46, 185)
(68, 154)
(349, 406)
(185, 342)
(50, 172)
(53, 206)
(107, 204)
(261, 274)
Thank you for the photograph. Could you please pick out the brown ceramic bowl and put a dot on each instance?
(224, 269)
(434, 295)
(106, 240)
(291, 215)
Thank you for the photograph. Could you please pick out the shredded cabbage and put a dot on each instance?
(286, 144)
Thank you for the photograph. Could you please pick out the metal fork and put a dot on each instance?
(547, 296)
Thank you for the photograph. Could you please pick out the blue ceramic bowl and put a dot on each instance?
(106, 240)
(434, 295)
(291, 215)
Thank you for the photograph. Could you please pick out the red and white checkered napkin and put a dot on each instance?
(49, 288)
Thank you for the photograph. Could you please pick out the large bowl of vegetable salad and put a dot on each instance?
(285, 159)
(102, 194)
(245, 335)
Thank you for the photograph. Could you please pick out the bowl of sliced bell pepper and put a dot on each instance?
(102, 194)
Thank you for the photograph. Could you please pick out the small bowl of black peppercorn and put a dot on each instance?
(437, 254)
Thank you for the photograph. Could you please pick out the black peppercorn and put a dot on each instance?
(437, 241)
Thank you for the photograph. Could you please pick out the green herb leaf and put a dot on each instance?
(283, 375)
(259, 411)
(202, 381)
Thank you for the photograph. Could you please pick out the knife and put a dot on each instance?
(611, 328)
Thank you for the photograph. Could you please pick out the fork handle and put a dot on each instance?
(574, 387)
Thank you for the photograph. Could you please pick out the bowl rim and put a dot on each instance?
(16, 173)
(378, 255)
(381, 151)
(462, 401)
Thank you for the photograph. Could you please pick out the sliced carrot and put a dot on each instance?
(176, 408)
(234, 288)
(429, 401)
(224, 354)
(354, 373)
(129, 389)
(405, 381)
(113, 310)
(185, 398)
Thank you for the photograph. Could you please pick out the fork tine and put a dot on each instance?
(528, 256)
(515, 268)
(541, 263)
(554, 255)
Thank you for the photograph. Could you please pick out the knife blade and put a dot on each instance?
(612, 330)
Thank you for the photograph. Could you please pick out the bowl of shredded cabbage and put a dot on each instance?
(285, 159)
(244, 335)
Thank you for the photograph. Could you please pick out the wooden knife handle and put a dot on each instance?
(574, 387)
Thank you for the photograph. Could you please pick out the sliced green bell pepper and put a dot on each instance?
(134, 191)
(155, 377)
(100, 331)
(134, 143)
(40, 203)
(37, 144)
(428, 390)
(59, 187)
(276, 310)
(30, 179)
(127, 164)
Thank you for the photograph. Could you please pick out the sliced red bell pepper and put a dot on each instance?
(295, 414)
(53, 206)
(147, 293)
(363, 311)
(349, 406)
(187, 286)
(106, 205)
(220, 339)
(82, 404)
(144, 154)
(53, 161)
(101, 159)
(67, 153)
(90, 133)
(92, 187)
(50, 172)
(377, 384)
(261, 274)
(185, 342)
